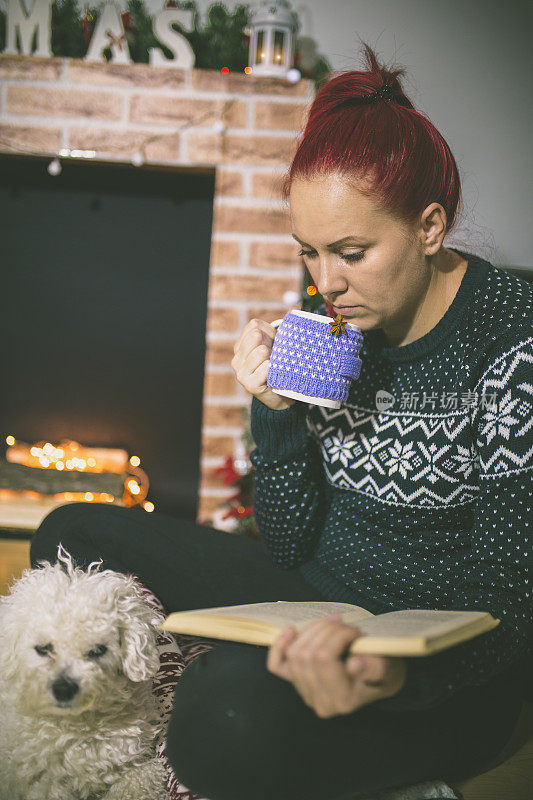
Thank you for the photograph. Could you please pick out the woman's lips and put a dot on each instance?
(346, 309)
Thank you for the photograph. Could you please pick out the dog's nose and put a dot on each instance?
(64, 689)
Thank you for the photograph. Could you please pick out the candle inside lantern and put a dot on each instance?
(272, 27)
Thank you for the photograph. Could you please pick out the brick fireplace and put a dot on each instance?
(243, 126)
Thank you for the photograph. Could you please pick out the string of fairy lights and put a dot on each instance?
(139, 156)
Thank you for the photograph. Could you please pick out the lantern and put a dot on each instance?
(272, 26)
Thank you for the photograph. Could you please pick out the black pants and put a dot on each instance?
(237, 731)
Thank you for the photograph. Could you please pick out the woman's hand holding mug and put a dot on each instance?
(251, 362)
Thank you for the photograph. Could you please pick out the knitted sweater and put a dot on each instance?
(426, 502)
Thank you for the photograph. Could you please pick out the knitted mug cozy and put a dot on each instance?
(308, 359)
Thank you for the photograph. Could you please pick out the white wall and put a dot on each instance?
(468, 66)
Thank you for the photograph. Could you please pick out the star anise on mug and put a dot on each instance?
(337, 326)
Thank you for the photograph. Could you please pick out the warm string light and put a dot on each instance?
(139, 157)
(70, 455)
(54, 168)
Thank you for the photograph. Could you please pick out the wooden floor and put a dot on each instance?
(14, 558)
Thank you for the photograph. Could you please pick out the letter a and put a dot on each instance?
(109, 33)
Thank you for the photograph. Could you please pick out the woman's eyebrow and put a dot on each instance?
(335, 244)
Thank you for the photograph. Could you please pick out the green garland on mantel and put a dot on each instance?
(221, 42)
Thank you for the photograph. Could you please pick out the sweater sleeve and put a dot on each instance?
(290, 494)
(495, 573)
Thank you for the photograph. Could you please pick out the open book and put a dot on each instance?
(412, 632)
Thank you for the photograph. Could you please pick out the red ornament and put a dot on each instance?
(127, 21)
(129, 27)
(239, 511)
(86, 20)
(228, 472)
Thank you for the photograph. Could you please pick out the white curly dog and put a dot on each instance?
(78, 718)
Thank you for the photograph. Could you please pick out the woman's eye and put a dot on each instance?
(97, 651)
(350, 257)
(353, 256)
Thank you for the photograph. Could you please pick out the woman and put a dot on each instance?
(421, 505)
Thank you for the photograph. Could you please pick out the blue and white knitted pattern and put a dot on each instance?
(306, 357)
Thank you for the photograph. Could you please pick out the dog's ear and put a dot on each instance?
(138, 633)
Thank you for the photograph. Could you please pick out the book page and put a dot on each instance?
(425, 623)
(285, 612)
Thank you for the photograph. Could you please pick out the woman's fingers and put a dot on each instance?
(312, 662)
(255, 357)
(320, 670)
(320, 643)
(258, 377)
(249, 333)
(251, 363)
(276, 656)
(369, 668)
(319, 651)
(252, 374)
(252, 350)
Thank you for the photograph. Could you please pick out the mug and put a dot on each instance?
(314, 358)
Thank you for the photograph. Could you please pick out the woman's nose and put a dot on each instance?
(329, 280)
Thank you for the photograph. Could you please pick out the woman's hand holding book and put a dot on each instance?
(312, 661)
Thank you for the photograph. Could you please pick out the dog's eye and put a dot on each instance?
(97, 651)
(44, 649)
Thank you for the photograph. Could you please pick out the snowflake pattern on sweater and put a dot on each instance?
(424, 503)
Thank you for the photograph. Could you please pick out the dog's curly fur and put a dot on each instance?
(78, 718)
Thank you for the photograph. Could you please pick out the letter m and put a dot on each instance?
(39, 19)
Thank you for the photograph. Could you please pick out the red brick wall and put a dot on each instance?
(47, 104)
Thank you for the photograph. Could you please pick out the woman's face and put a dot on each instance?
(380, 268)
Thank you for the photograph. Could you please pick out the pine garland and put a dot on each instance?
(67, 30)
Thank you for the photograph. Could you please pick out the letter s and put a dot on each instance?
(176, 42)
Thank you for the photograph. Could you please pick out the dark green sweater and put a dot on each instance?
(425, 503)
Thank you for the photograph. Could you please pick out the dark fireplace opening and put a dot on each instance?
(105, 274)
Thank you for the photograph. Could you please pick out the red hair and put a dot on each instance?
(388, 143)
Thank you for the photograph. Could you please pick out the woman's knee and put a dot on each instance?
(231, 717)
(59, 526)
